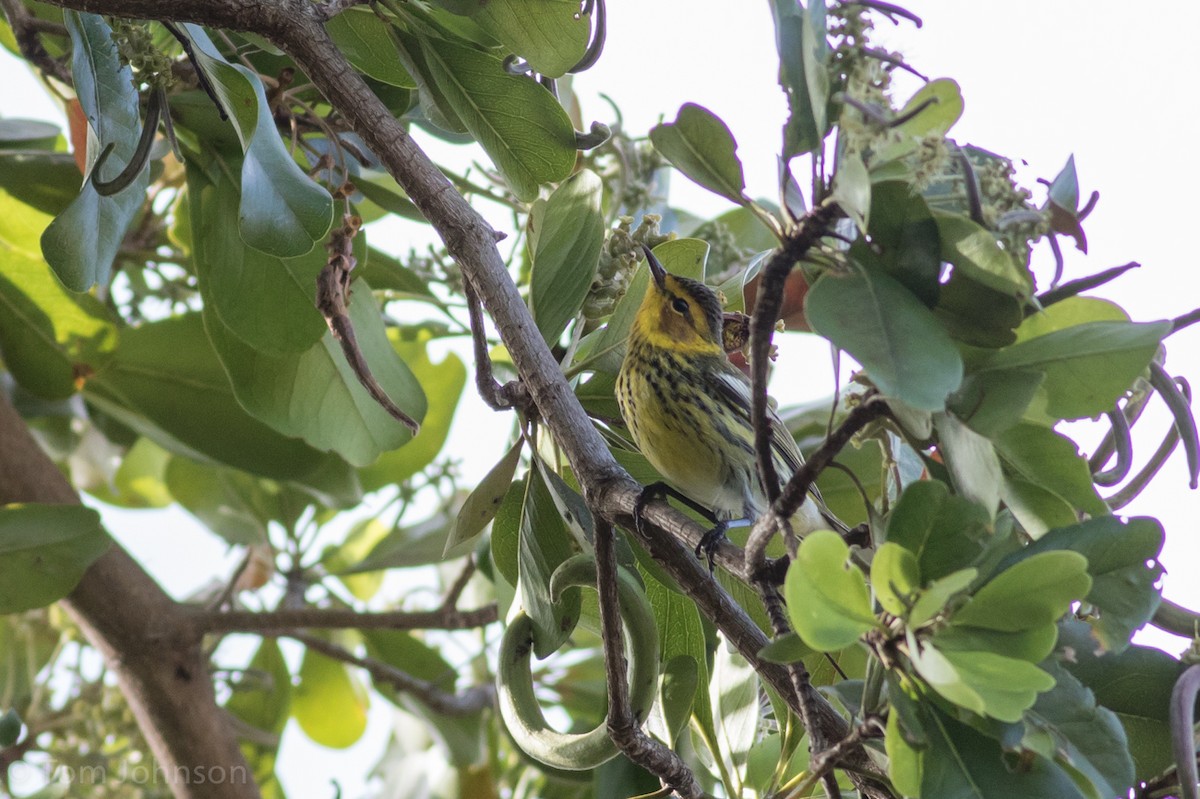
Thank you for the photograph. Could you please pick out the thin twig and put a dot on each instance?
(796, 491)
(338, 619)
(456, 588)
(470, 701)
(623, 727)
(826, 759)
(497, 397)
(26, 27)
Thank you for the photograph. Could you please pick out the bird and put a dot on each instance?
(687, 408)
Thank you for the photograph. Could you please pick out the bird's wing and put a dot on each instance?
(734, 388)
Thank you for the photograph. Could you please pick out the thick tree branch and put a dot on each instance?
(145, 637)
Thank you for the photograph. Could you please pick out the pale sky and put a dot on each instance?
(1040, 81)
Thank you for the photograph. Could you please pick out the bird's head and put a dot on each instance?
(679, 313)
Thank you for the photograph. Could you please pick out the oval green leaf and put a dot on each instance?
(903, 348)
(700, 146)
(827, 597)
(44, 551)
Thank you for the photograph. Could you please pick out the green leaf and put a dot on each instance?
(566, 232)
(935, 120)
(1036, 590)
(82, 241)
(1123, 563)
(165, 382)
(444, 381)
(787, 648)
(1087, 366)
(484, 501)
(1068, 313)
(48, 337)
(904, 239)
(935, 597)
(904, 350)
(681, 636)
(418, 544)
(1043, 457)
(975, 251)
(1085, 740)
(1136, 684)
(972, 461)
(896, 578)
(140, 480)
(827, 597)
(1036, 508)
(1032, 644)
(28, 134)
(234, 505)
(363, 537)
(549, 34)
(544, 544)
(700, 146)
(800, 42)
(1064, 205)
(960, 761)
(265, 301)
(315, 396)
(852, 189)
(982, 682)
(945, 532)
(992, 402)
(367, 43)
(533, 147)
(44, 551)
(263, 697)
(329, 702)
(282, 211)
(47, 181)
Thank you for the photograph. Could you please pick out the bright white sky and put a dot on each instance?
(1041, 81)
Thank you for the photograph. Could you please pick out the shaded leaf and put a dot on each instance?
(904, 239)
(945, 532)
(165, 382)
(800, 42)
(44, 551)
(972, 461)
(533, 147)
(544, 544)
(282, 210)
(1036, 590)
(975, 251)
(700, 146)
(484, 501)
(1045, 458)
(904, 350)
(367, 43)
(1087, 366)
(992, 402)
(566, 232)
(81, 243)
(443, 382)
(314, 395)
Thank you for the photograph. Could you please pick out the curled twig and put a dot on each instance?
(1123, 445)
(597, 135)
(1176, 392)
(888, 10)
(333, 299)
(1183, 737)
(141, 153)
(599, 35)
(201, 76)
(497, 397)
(971, 182)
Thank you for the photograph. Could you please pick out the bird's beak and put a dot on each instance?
(656, 269)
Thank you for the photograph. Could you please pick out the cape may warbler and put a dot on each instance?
(688, 407)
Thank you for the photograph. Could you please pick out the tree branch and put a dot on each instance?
(145, 637)
(470, 701)
(626, 730)
(248, 621)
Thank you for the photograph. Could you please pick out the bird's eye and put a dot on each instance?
(680, 305)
